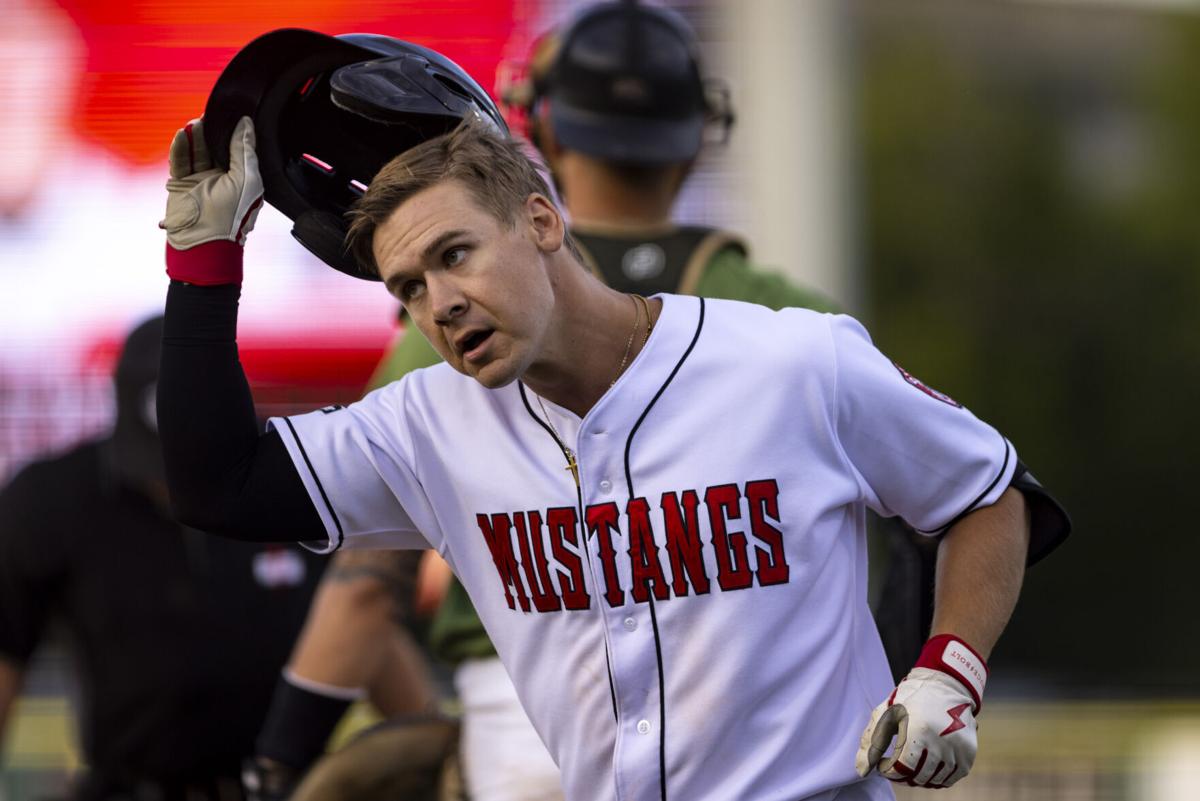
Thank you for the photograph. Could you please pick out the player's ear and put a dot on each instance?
(545, 222)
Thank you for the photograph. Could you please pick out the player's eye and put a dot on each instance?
(454, 256)
(411, 290)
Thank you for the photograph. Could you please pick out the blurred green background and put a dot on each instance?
(1030, 186)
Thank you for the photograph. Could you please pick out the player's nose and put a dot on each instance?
(446, 299)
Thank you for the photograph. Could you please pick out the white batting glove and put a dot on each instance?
(931, 713)
(209, 210)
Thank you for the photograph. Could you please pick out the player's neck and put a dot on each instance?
(596, 334)
(594, 194)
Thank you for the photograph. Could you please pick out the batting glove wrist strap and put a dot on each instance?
(208, 206)
(210, 264)
(951, 655)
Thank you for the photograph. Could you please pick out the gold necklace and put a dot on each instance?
(639, 303)
(572, 465)
(649, 319)
(629, 342)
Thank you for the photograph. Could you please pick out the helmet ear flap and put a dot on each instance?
(718, 111)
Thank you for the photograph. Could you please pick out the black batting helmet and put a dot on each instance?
(329, 112)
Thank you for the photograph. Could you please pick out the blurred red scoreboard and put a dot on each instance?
(288, 373)
(147, 65)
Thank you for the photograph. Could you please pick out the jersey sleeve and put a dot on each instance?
(357, 464)
(916, 452)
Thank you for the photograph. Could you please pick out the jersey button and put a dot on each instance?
(643, 727)
(630, 624)
(605, 485)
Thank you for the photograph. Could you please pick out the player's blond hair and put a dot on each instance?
(492, 167)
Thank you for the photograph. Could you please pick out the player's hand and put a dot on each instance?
(209, 210)
(931, 714)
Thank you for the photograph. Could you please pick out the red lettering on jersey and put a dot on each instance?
(733, 568)
(549, 582)
(683, 542)
(562, 522)
(763, 499)
(602, 520)
(643, 554)
(533, 561)
(499, 540)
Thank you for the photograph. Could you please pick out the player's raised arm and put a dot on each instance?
(224, 476)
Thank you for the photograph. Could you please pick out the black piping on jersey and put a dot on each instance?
(971, 506)
(316, 478)
(662, 687)
(583, 542)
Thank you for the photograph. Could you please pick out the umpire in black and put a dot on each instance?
(176, 637)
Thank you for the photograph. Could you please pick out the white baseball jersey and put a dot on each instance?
(691, 622)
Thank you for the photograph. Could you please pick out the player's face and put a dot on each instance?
(477, 288)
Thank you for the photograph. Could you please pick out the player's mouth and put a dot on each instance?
(473, 344)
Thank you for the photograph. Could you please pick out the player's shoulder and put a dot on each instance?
(420, 394)
(757, 337)
(749, 319)
(422, 381)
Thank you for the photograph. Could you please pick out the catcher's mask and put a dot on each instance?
(329, 112)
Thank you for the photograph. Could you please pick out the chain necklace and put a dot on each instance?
(637, 315)
(572, 465)
(639, 304)
(649, 323)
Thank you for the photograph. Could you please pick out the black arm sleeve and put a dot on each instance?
(224, 476)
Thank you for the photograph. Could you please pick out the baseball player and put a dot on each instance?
(620, 172)
(656, 504)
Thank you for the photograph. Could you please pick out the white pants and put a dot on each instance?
(503, 759)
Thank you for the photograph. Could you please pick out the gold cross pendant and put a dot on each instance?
(572, 465)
